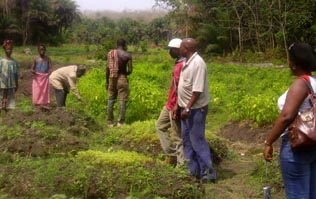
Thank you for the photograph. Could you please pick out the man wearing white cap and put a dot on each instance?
(171, 143)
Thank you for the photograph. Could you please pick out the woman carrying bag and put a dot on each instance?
(298, 168)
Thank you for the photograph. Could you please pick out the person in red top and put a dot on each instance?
(171, 143)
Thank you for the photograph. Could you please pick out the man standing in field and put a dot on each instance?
(193, 98)
(118, 67)
(168, 117)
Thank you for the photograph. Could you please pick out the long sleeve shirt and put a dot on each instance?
(65, 78)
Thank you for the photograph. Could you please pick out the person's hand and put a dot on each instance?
(82, 103)
(4, 104)
(268, 153)
(184, 114)
(175, 113)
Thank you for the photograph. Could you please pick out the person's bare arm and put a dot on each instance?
(130, 66)
(107, 72)
(295, 96)
(50, 66)
(33, 66)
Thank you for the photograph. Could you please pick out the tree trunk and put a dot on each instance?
(26, 28)
(283, 17)
(239, 29)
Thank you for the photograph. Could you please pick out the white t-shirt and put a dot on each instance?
(305, 105)
(193, 78)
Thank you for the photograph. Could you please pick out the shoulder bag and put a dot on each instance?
(302, 131)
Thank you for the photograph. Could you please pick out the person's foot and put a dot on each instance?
(110, 125)
(120, 124)
(166, 161)
(171, 160)
(193, 177)
(206, 180)
(44, 108)
(180, 165)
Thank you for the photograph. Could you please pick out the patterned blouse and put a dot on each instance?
(9, 73)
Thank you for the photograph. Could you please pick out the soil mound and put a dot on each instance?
(245, 132)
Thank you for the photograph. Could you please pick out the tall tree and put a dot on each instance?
(26, 18)
(7, 7)
(7, 27)
(65, 12)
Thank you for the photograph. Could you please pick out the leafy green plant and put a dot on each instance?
(144, 46)
(131, 137)
(95, 101)
(10, 133)
(96, 174)
(262, 108)
(25, 105)
(145, 101)
(247, 92)
(102, 50)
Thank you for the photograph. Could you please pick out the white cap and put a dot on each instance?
(174, 43)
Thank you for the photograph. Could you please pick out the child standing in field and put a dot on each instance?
(9, 77)
(41, 68)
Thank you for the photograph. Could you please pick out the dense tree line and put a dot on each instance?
(220, 26)
(100, 30)
(240, 25)
(104, 32)
(33, 21)
(59, 21)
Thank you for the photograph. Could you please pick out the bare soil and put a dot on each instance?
(36, 144)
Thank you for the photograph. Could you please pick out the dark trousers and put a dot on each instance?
(61, 96)
(196, 148)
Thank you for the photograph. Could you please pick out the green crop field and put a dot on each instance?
(72, 154)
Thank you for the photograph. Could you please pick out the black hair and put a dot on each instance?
(81, 70)
(41, 45)
(121, 42)
(7, 42)
(303, 56)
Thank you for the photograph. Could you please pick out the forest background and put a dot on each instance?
(71, 154)
(234, 27)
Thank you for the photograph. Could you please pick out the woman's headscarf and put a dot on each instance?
(7, 42)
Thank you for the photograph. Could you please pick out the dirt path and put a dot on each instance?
(234, 173)
(233, 182)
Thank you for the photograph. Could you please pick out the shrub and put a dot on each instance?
(95, 174)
